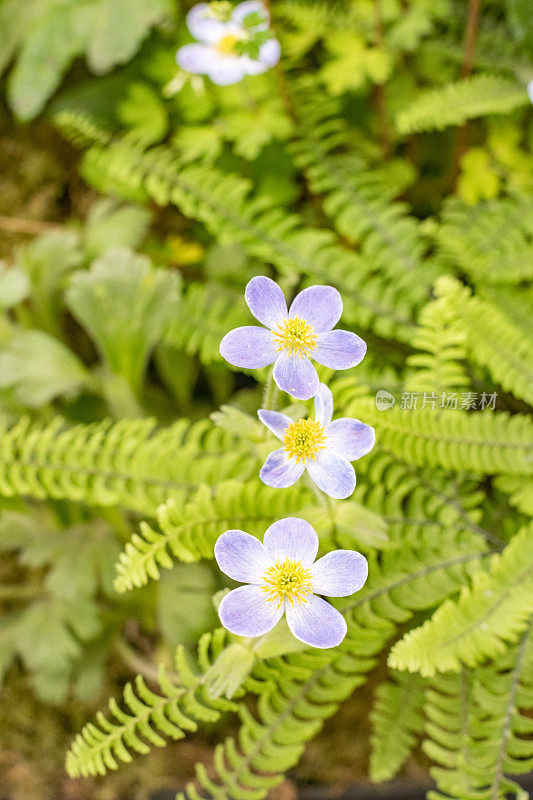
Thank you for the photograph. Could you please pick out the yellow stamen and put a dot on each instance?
(227, 44)
(304, 438)
(296, 335)
(287, 580)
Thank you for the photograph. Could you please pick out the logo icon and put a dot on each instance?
(384, 400)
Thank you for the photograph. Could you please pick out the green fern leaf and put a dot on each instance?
(149, 718)
(491, 242)
(443, 340)
(492, 339)
(206, 313)
(457, 102)
(479, 728)
(488, 616)
(484, 441)
(398, 721)
(126, 463)
(359, 200)
(224, 203)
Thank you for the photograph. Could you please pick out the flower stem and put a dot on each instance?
(270, 393)
(322, 498)
(472, 22)
(379, 90)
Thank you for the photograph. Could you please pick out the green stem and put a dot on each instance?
(322, 498)
(270, 393)
(137, 663)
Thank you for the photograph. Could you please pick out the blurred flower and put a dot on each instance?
(320, 446)
(231, 43)
(292, 336)
(282, 577)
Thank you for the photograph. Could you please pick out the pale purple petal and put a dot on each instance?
(203, 25)
(350, 438)
(268, 57)
(241, 556)
(275, 422)
(340, 573)
(249, 347)
(243, 10)
(266, 301)
(320, 306)
(270, 52)
(296, 376)
(339, 349)
(246, 611)
(227, 69)
(323, 405)
(281, 471)
(316, 623)
(530, 90)
(196, 58)
(292, 538)
(333, 474)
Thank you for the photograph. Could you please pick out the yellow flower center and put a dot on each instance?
(295, 335)
(287, 580)
(226, 45)
(304, 438)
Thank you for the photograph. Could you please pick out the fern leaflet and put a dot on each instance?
(487, 617)
(125, 463)
(457, 102)
(479, 728)
(397, 721)
(492, 338)
(484, 441)
(149, 717)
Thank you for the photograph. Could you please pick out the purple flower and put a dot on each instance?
(227, 41)
(320, 446)
(290, 337)
(282, 576)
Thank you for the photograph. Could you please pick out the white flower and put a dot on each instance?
(231, 44)
(530, 90)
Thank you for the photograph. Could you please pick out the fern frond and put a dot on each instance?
(515, 302)
(225, 204)
(491, 242)
(206, 313)
(149, 718)
(457, 102)
(480, 730)
(443, 340)
(483, 441)
(189, 531)
(411, 500)
(492, 338)
(359, 201)
(487, 617)
(398, 722)
(80, 129)
(127, 463)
